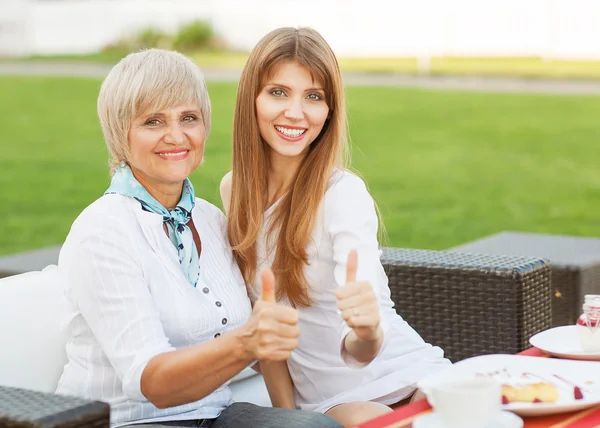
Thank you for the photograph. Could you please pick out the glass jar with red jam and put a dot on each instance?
(588, 324)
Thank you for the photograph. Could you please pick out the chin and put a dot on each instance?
(176, 175)
(290, 152)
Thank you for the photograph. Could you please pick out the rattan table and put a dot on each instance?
(470, 304)
(575, 265)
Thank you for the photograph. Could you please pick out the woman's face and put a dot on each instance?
(291, 110)
(166, 146)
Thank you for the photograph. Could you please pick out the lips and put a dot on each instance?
(291, 133)
(173, 154)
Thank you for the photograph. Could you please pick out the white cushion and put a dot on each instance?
(32, 343)
(249, 387)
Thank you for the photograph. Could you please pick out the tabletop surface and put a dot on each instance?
(403, 416)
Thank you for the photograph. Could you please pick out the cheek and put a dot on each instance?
(263, 117)
(141, 144)
(266, 111)
(318, 117)
(197, 137)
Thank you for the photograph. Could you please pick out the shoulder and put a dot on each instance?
(348, 200)
(344, 184)
(225, 189)
(109, 218)
(209, 211)
(112, 209)
(211, 216)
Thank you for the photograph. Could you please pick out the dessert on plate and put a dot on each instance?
(524, 387)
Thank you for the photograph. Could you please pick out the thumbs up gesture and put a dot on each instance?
(271, 333)
(358, 303)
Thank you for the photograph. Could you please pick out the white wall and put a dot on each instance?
(547, 28)
(13, 27)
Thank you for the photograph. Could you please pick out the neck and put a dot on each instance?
(167, 194)
(281, 173)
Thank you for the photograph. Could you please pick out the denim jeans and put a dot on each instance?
(246, 415)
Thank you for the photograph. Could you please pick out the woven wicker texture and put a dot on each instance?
(21, 408)
(575, 265)
(470, 304)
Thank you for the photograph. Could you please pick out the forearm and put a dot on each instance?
(363, 351)
(279, 384)
(190, 374)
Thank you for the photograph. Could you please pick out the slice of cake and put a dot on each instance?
(524, 388)
(530, 393)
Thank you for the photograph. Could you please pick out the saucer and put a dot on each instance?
(503, 420)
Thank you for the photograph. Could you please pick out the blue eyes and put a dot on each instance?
(313, 96)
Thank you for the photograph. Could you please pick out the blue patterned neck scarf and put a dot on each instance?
(124, 183)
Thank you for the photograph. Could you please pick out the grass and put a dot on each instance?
(444, 167)
(527, 67)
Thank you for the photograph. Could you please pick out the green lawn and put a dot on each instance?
(444, 167)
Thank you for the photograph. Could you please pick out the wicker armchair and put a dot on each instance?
(22, 408)
(470, 304)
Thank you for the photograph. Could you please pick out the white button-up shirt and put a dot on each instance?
(129, 301)
(322, 377)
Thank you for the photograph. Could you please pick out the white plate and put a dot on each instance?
(562, 342)
(578, 372)
(504, 420)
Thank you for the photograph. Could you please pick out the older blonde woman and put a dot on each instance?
(159, 318)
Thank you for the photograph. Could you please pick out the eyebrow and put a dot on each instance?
(288, 88)
(158, 114)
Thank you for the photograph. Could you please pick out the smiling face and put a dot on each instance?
(166, 147)
(291, 111)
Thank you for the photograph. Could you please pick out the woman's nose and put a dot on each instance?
(294, 110)
(175, 134)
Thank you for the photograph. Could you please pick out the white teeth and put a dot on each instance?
(290, 132)
(172, 154)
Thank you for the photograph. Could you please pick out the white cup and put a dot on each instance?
(466, 403)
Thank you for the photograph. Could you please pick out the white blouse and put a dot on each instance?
(129, 301)
(322, 377)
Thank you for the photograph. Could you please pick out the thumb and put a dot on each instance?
(351, 266)
(267, 281)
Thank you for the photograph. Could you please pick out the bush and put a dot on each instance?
(146, 38)
(196, 35)
(151, 37)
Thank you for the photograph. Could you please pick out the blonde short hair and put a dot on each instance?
(150, 80)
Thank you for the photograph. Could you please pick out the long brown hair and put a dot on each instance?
(295, 215)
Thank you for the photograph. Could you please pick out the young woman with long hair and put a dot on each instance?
(294, 206)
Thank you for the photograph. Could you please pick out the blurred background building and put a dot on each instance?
(377, 28)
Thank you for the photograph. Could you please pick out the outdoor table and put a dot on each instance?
(402, 417)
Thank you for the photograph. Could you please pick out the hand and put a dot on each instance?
(358, 303)
(271, 333)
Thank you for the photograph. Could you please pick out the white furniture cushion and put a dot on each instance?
(32, 342)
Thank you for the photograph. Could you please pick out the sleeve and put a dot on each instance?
(352, 223)
(104, 273)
